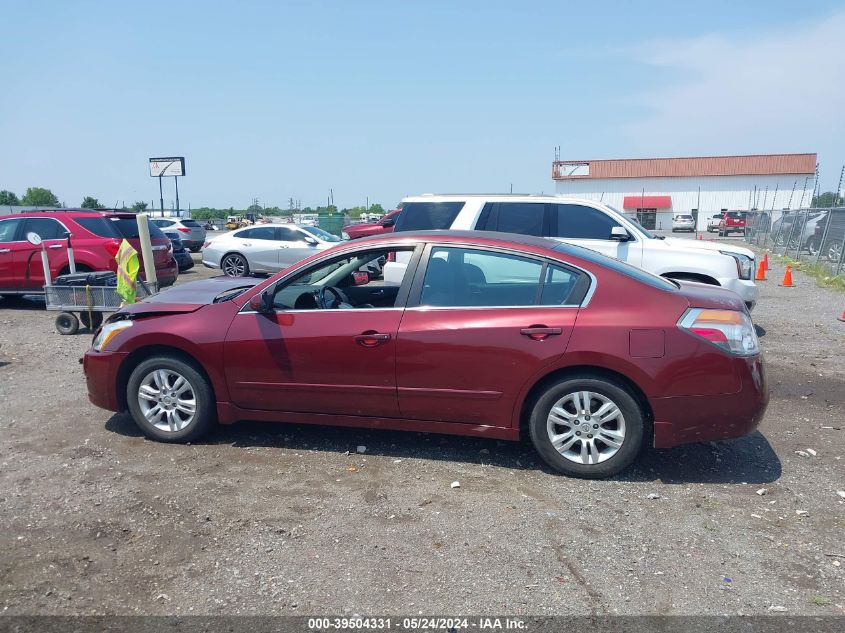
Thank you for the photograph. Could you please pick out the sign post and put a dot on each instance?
(167, 166)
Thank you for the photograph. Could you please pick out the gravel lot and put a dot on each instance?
(291, 520)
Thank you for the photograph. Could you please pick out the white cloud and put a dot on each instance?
(755, 91)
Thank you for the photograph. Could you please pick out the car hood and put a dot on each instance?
(189, 297)
(707, 245)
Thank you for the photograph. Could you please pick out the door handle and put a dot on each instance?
(5, 250)
(246, 244)
(540, 332)
(55, 246)
(372, 339)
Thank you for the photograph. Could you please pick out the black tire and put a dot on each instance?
(618, 394)
(196, 249)
(96, 320)
(205, 415)
(234, 262)
(67, 323)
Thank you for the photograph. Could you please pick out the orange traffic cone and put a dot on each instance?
(842, 318)
(761, 273)
(700, 237)
(766, 261)
(787, 278)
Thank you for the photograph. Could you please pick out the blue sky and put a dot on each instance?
(384, 99)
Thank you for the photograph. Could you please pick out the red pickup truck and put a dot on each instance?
(385, 225)
(732, 222)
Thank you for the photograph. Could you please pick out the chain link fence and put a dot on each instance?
(816, 236)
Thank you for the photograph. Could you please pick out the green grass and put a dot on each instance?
(820, 601)
(817, 271)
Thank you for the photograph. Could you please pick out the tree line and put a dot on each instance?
(43, 197)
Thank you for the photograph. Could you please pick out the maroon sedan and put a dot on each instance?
(491, 335)
(385, 225)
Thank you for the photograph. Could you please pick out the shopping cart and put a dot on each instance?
(90, 302)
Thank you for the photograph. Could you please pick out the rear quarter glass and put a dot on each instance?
(427, 216)
(99, 226)
(128, 228)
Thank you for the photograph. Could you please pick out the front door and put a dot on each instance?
(485, 324)
(319, 350)
(9, 233)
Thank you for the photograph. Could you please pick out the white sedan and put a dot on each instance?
(264, 249)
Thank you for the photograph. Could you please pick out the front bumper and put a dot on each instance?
(688, 419)
(101, 370)
(745, 288)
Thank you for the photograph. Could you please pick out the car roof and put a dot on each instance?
(499, 197)
(489, 238)
(72, 213)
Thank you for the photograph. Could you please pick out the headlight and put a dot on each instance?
(108, 332)
(744, 264)
(729, 330)
(344, 235)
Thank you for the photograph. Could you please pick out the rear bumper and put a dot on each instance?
(101, 370)
(687, 419)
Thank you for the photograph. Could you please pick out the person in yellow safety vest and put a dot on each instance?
(127, 271)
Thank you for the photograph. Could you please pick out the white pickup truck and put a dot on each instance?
(587, 223)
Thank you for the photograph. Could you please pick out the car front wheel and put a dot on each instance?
(170, 400)
(235, 265)
(588, 426)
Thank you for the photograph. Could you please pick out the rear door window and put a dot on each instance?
(525, 218)
(47, 228)
(427, 216)
(575, 221)
(257, 233)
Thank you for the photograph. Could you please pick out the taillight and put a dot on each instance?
(206, 245)
(112, 246)
(729, 330)
(183, 229)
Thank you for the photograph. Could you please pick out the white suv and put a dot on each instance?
(587, 223)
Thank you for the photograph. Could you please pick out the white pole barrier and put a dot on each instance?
(146, 249)
(45, 264)
(71, 261)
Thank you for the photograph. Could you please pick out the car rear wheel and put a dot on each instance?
(170, 400)
(587, 426)
(235, 265)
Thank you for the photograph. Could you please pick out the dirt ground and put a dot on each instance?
(260, 519)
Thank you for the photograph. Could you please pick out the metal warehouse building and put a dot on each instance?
(655, 189)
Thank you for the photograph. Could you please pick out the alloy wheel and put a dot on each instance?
(586, 427)
(234, 266)
(167, 400)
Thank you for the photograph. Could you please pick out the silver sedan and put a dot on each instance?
(265, 248)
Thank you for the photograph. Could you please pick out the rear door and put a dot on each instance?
(480, 324)
(27, 257)
(260, 246)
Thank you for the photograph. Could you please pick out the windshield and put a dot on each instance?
(639, 227)
(323, 235)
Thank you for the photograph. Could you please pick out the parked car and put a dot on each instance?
(95, 237)
(586, 223)
(485, 335)
(264, 249)
(385, 225)
(193, 233)
(180, 253)
(732, 222)
(714, 221)
(683, 223)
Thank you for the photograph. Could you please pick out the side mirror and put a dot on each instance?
(619, 234)
(389, 222)
(262, 302)
(310, 240)
(360, 278)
